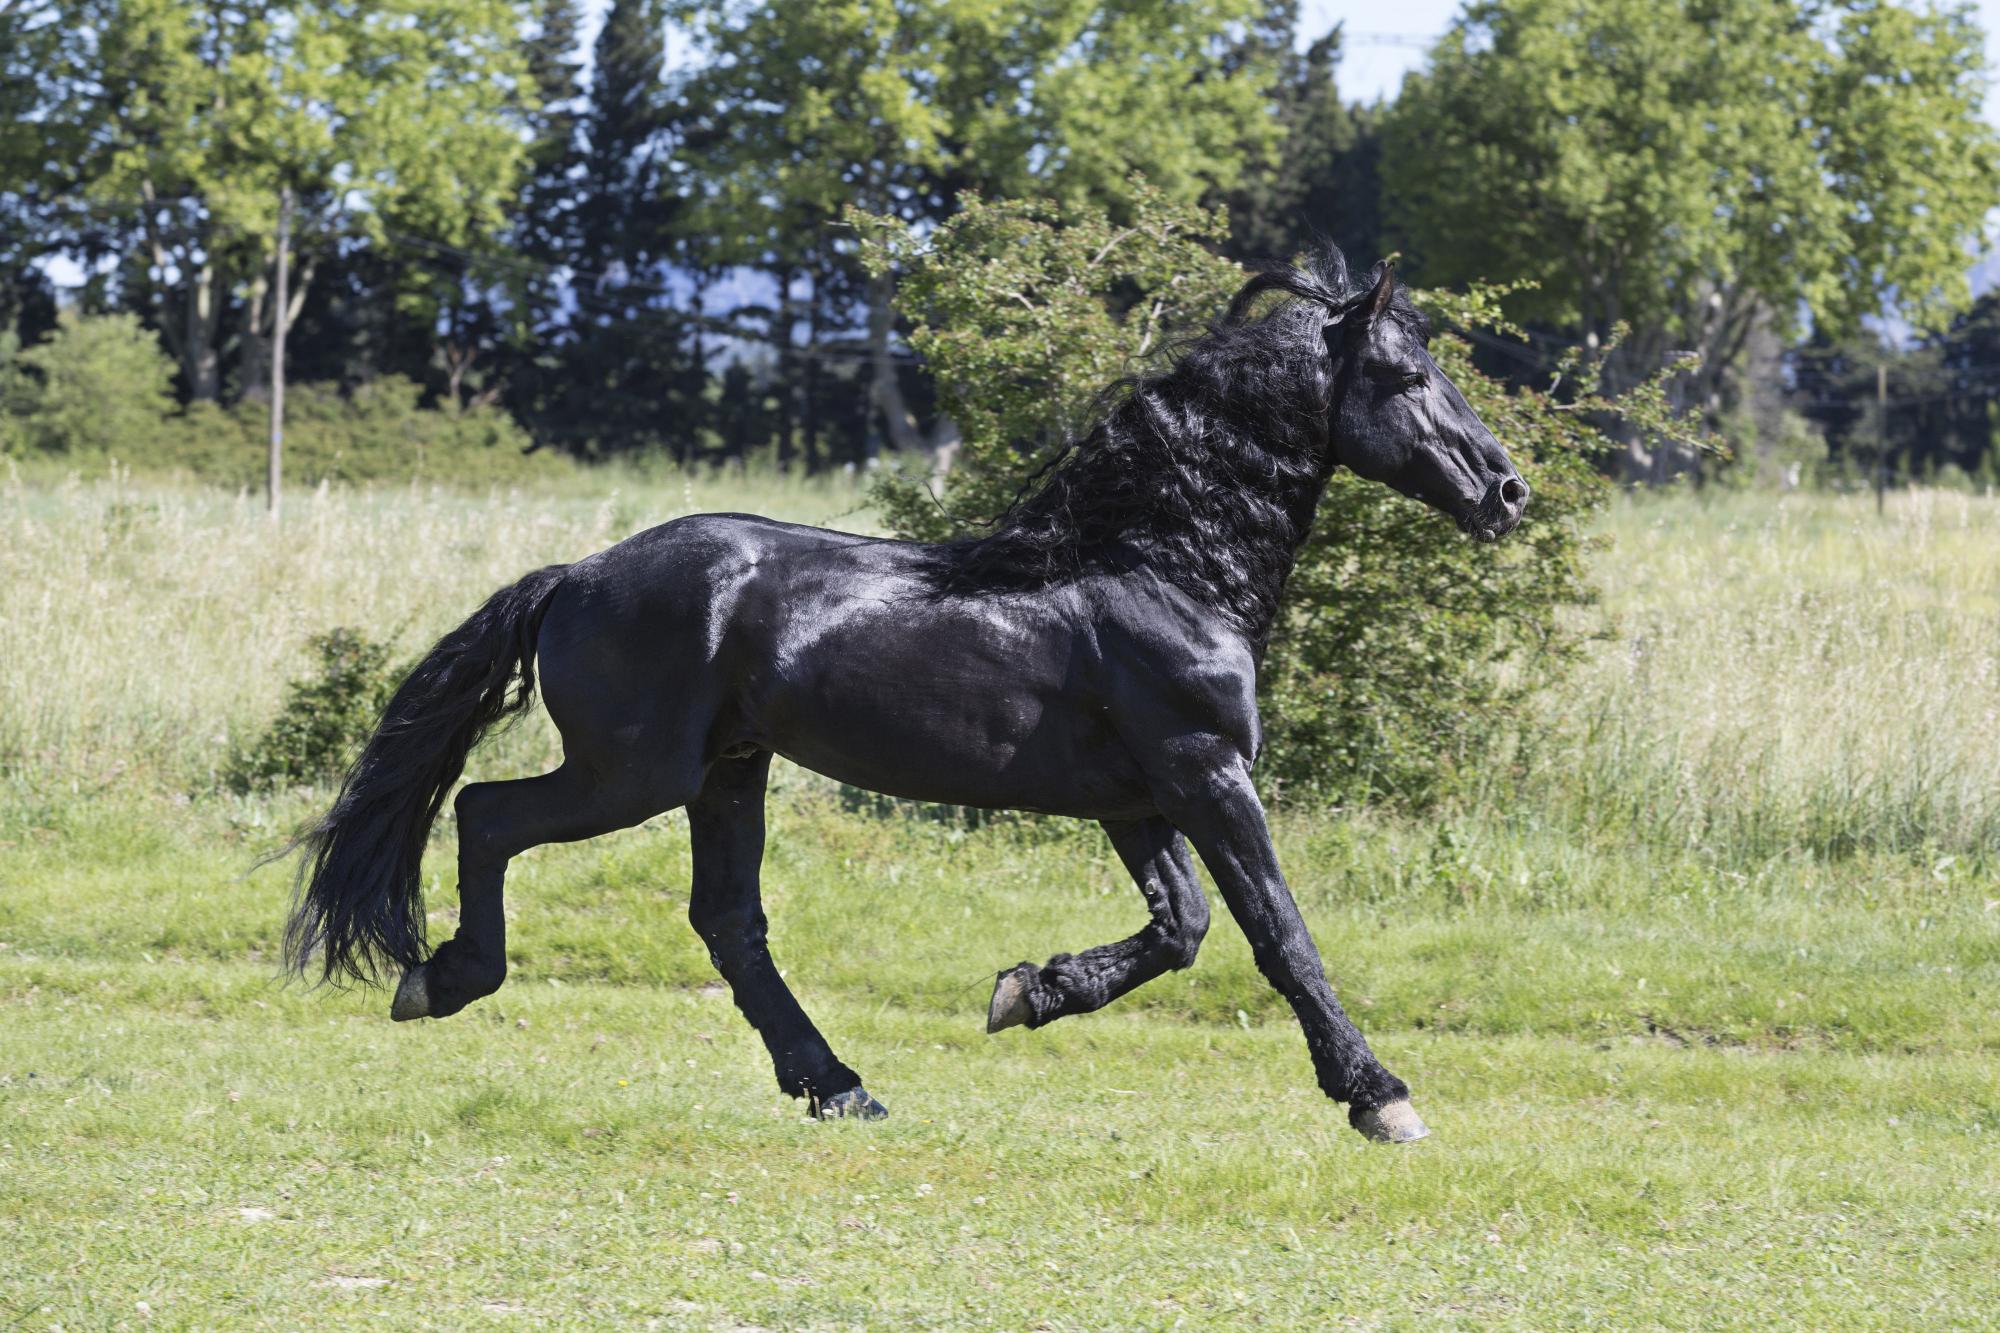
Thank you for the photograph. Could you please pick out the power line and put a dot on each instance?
(1415, 40)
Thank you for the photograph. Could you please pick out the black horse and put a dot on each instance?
(1095, 656)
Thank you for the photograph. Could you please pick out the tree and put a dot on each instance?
(1323, 184)
(1939, 393)
(1691, 167)
(1401, 646)
(628, 370)
(33, 37)
(539, 243)
(897, 105)
(396, 116)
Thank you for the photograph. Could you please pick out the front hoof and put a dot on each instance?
(854, 1104)
(413, 995)
(1391, 1122)
(1009, 1006)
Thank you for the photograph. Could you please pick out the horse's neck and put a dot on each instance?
(1252, 586)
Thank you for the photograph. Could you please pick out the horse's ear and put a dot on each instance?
(1385, 291)
(1365, 309)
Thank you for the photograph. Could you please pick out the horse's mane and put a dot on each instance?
(1206, 472)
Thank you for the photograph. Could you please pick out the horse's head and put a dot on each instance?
(1399, 421)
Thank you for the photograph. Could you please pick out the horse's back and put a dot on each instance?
(847, 654)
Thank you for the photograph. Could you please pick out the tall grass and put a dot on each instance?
(1790, 673)
(144, 628)
(1778, 675)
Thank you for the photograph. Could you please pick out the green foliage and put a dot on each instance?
(1693, 168)
(326, 715)
(17, 395)
(1024, 312)
(1324, 182)
(894, 103)
(99, 389)
(398, 115)
(1403, 649)
(802, 110)
(1407, 654)
(99, 383)
(378, 431)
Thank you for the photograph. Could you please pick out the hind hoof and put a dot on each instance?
(1009, 1006)
(854, 1104)
(413, 996)
(1391, 1122)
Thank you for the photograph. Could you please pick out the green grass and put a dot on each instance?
(1699, 997)
(1671, 1098)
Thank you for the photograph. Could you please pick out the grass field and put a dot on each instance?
(1699, 996)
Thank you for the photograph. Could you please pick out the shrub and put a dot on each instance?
(100, 388)
(378, 431)
(326, 716)
(1403, 650)
(97, 383)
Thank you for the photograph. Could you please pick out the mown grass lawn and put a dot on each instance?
(1740, 1104)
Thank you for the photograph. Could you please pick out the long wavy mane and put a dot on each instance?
(1206, 472)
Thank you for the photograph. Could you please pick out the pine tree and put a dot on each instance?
(1324, 184)
(632, 375)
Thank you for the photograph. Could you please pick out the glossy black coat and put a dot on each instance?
(1096, 657)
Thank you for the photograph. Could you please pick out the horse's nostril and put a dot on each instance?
(1514, 492)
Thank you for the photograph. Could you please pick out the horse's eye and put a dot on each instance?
(1396, 379)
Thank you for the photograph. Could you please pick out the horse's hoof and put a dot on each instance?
(1010, 1007)
(1391, 1122)
(854, 1104)
(413, 996)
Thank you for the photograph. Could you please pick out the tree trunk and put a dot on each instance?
(201, 359)
(810, 443)
(886, 391)
(781, 339)
(253, 348)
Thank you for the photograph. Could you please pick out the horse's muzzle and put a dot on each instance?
(1499, 511)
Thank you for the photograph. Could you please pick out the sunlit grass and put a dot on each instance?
(148, 626)
(1793, 671)
(1697, 996)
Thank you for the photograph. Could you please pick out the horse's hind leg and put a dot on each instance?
(726, 823)
(496, 822)
(1153, 852)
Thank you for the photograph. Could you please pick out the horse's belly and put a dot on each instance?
(900, 756)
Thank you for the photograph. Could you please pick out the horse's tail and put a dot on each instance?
(359, 905)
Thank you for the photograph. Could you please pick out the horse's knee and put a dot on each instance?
(729, 929)
(1187, 929)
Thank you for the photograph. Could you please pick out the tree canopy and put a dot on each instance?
(621, 223)
(396, 115)
(1691, 167)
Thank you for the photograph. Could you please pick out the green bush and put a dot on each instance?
(100, 388)
(378, 431)
(326, 716)
(98, 383)
(1404, 652)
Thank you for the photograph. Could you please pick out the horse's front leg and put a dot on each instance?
(1158, 861)
(1225, 822)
